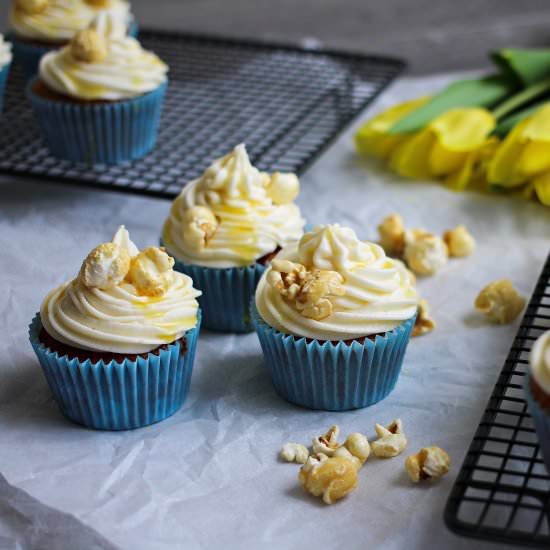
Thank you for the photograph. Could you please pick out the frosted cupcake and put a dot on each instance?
(99, 99)
(537, 390)
(117, 343)
(334, 316)
(223, 229)
(5, 63)
(40, 26)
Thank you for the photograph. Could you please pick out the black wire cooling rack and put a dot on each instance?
(286, 103)
(502, 492)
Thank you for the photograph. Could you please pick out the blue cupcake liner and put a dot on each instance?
(4, 73)
(333, 376)
(99, 133)
(118, 396)
(28, 55)
(541, 418)
(226, 294)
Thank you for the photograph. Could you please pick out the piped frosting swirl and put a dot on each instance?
(233, 215)
(5, 52)
(364, 292)
(539, 362)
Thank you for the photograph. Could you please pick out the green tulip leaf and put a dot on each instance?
(525, 66)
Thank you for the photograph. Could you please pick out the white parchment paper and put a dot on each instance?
(209, 477)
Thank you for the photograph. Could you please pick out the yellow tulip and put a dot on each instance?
(447, 147)
(525, 154)
(541, 184)
(373, 137)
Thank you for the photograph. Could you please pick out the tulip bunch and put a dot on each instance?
(488, 133)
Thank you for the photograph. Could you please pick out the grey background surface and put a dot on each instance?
(434, 35)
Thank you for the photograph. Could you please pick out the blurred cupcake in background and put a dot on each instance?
(98, 100)
(224, 228)
(334, 316)
(39, 26)
(117, 343)
(537, 390)
(5, 63)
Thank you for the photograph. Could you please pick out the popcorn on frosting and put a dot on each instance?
(233, 214)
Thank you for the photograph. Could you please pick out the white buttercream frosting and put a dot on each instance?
(120, 319)
(254, 212)
(378, 292)
(540, 362)
(126, 71)
(61, 19)
(5, 52)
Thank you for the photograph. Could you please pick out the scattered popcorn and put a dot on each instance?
(32, 6)
(424, 253)
(358, 445)
(151, 271)
(88, 46)
(328, 442)
(423, 323)
(105, 267)
(500, 301)
(331, 478)
(283, 188)
(199, 226)
(391, 442)
(459, 241)
(429, 463)
(294, 452)
(392, 235)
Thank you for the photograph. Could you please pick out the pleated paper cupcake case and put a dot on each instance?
(333, 377)
(28, 55)
(4, 73)
(118, 396)
(106, 133)
(227, 294)
(541, 419)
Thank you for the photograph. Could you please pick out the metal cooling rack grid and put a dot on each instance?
(502, 492)
(287, 104)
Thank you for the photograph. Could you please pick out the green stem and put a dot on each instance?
(525, 96)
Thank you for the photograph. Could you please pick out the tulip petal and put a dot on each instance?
(538, 127)
(534, 158)
(542, 188)
(410, 158)
(444, 161)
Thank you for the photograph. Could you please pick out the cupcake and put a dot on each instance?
(223, 229)
(334, 316)
(40, 26)
(537, 390)
(99, 99)
(117, 343)
(5, 62)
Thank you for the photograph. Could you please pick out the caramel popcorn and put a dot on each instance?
(294, 452)
(327, 443)
(358, 445)
(500, 301)
(31, 6)
(105, 267)
(330, 478)
(424, 253)
(423, 322)
(459, 241)
(151, 271)
(199, 226)
(310, 291)
(391, 442)
(88, 46)
(392, 235)
(99, 3)
(429, 463)
(283, 188)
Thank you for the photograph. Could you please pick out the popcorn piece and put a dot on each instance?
(358, 445)
(330, 478)
(392, 235)
(199, 226)
(459, 241)
(151, 271)
(283, 188)
(423, 323)
(88, 46)
(429, 463)
(294, 452)
(105, 267)
(500, 301)
(391, 442)
(424, 253)
(31, 6)
(328, 442)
